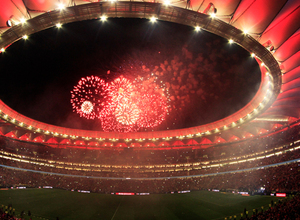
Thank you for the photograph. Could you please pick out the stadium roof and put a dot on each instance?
(274, 24)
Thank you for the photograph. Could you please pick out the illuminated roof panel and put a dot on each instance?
(289, 47)
(291, 75)
(44, 5)
(244, 19)
(291, 62)
(290, 93)
(283, 29)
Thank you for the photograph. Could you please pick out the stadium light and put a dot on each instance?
(153, 19)
(213, 15)
(245, 31)
(197, 28)
(25, 37)
(2, 50)
(103, 18)
(252, 54)
(58, 25)
(61, 6)
(167, 2)
(23, 20)
(231, 41)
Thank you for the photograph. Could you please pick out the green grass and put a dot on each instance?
(52, 203)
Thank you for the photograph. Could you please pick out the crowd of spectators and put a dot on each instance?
(99, 170)
(117, 169)
(168, 170)
(286, 209)
(143, 163)
(278, 178)
(7, 213)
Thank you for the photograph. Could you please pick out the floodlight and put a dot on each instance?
(103, 18)
(153, 19)
(23, 20)
(167, 2)
(61, 6)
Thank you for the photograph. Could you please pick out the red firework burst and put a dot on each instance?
(152, 101)
(121, 113)
(121, 88)
(87, 107)
(118, 122)
(127, 112)
(153, 110)
(89, 97)
(121, 106)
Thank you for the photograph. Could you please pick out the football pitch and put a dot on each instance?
(53, 203)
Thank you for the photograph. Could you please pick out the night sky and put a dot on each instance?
(208, 79)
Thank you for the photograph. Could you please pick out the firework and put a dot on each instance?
(87, 107)
(121, 106)
(117, 121)
(127, 112)
(121, 88)
(152, 85)
(153, 101)
(121, 113)
(153, 110)
(89, 97)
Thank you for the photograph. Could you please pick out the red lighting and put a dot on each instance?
(280, 194)
(125, 194)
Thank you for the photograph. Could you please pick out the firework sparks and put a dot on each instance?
(121, 88)
(121, 106)
(87, 107)
(127, 112)
(89, 97)
(154, 110)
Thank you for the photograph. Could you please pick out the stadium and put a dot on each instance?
(163, 118)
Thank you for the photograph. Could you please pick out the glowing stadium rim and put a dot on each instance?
(266, 95)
